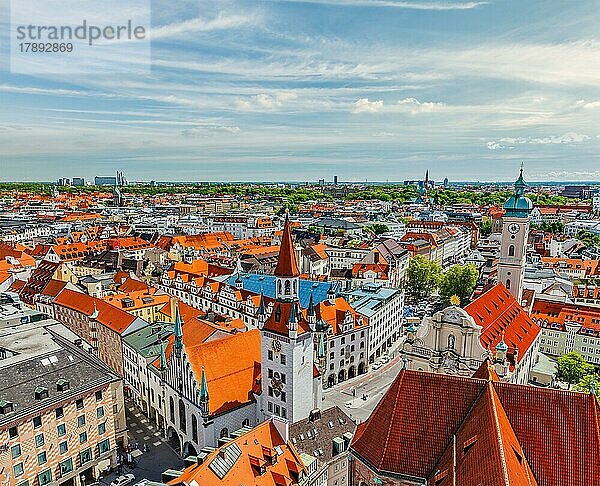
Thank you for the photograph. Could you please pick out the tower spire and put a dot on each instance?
(286, 263)
(178, 332)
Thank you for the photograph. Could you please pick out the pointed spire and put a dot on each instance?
(262, 309)
(95, 313)
(178, 332)
(203, 388)
(286, 263)
(310, 311)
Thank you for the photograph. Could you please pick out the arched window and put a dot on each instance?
(287, 287)
(507, 284)
(295, 288)
(511, 250)
(171, 409)
(194, 428)
(224, 433)
(182, 416)
(280, 286)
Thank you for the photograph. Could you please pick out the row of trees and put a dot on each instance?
(578, 373)
(588, 238)
(425, 277)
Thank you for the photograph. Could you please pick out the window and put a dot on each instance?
(13, 432)
(283, 359)
(15, 451)
(37, 422)
(79, 403)
(83, 437)
(101, 428)
(61, 430)
(63, 447)
(99, 395)
(81, 421)
(18, 469)
(283, 412)
(511, 250)
(224, 433)
(270, 406)
(39, 440)
(100, 412)
(283, 396)
(66, 466)
(270, 355)
(42, 458)
(60, 413)
(507, 284)
(86, 456)
(104, 446)
(45, 477)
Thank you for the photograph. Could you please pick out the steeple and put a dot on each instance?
(286, 273)
(178, 333)
(286, 264)
(204, 396)
(311, 315)
(518, 205)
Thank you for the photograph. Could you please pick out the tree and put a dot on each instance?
(589, 383)
(486, 228)
(588, 238)
(377, 228)
(572, 368)
(459, 280)
(422, 278)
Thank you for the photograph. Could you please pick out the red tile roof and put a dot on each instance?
(286, 263)
(414, 423)
(499, 314)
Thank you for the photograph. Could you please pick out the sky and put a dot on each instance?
(299, 90)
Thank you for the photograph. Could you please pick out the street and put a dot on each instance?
(373, 384)
(148, 465)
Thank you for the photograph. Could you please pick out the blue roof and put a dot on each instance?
(255, 282)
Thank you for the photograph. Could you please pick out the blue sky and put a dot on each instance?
(303, 90)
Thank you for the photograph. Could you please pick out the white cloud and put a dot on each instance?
(588, 105)
(265, 101)
(199, 24)
(414, 106)
(363, 105)
(206, 130)
(510, 142)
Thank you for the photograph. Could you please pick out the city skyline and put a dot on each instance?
(303, 90)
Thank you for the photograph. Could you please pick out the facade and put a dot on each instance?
(432, 429)
(323, 440)
(98, 323)
(382, 308)
(457, 341)
(241, 227)
(61, 409)
(515, 230)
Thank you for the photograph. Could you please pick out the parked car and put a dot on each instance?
(376, 366)
(123, 480)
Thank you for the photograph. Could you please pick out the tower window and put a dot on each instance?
(511, 250)
(507, 284)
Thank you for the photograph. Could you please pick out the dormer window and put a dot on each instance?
(62, 385)
(6, 407)
(41, 392)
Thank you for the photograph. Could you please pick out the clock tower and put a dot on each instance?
(287, 357)
(515, 230)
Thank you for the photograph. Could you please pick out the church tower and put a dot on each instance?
(287, 344)
(515, 230)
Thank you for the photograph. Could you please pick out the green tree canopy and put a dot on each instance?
(377, 228)
(485, 227)
(459, 280)
(572, 368)
(588, 238)
(422, 278)
(589, 383)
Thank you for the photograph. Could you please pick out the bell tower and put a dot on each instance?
(287, 273)
(515, 230)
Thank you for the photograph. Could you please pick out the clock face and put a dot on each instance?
(276, 345)
(513, 228)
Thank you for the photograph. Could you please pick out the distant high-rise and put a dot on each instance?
(335, 180)
(78, 181)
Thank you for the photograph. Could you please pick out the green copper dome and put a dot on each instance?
(518, 205)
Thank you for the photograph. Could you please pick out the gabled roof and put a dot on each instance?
(239, 461)
(412, 427)
(280, 317)
(499, 314)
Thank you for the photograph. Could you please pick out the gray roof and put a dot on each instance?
(332, 424)
(39, 357)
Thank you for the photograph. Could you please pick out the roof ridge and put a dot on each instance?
(493, 400)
